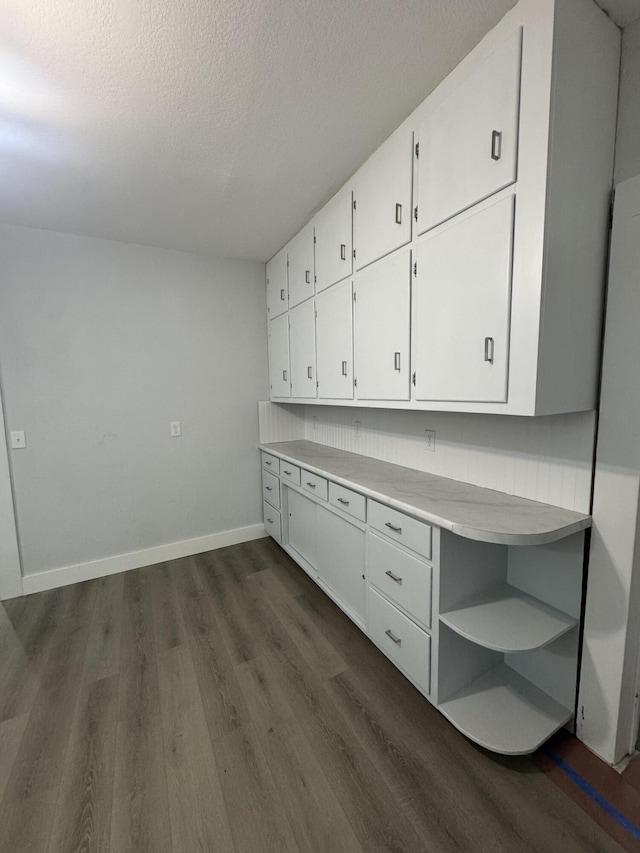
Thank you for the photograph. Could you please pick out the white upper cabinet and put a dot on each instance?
(279, 375)
(469, 141)
(301, 267)
(381, 320)
(334, 241)
(383, 194)
(302, 346)
(277, 286)
(334, 342)
(461, 307)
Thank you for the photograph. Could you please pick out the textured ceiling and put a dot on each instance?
(216, 126)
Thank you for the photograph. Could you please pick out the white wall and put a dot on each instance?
(546, 459)
(627, 163)
(102, 344)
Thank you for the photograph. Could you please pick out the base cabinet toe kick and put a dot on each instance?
(483, 624)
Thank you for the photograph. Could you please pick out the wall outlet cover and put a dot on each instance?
(18, 440)
(430, 440)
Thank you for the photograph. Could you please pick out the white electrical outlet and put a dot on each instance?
(430, 440)
(176, 429)
(18, 441)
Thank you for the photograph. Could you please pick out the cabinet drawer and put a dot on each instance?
(272, 521)
(408, 646)
(271, 489)
(402, 528)
(270, 463)
(318, 486)
(401, 577)
(290, 472)
(348, 501)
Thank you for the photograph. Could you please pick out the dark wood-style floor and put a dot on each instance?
(223, 703)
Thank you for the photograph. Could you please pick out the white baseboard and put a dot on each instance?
(54, 578)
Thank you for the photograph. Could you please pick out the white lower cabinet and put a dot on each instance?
(487, 632)
(341, 566)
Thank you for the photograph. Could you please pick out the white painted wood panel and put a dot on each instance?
(279, 373)
(401, 577)
(334, 342)
(334, 240)
(383, 194)
(302, 346)
(301, 266)
(341, 548)
(277, 286)
(469, 141)
(382, 320)
(302, 525)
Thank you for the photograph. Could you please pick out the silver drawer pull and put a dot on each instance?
(342, 501)
(267, 463)
(393, 527)
(310, 372)
(393, 637)
(496, 144)
(488, 350)
(282, 296)
(269, 488)
(398, 214)
(393, 577)
(343, 251)
(284, 375)
(307, 276)
(269, 521)
(288, 473)
(344, 368)
(396, 361)
(311, 485)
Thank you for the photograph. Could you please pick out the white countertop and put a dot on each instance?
(464, 509)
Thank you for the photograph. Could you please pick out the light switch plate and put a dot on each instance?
(18, 440)
(430, 440)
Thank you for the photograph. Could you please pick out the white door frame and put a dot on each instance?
(607, 707)
(10, 572)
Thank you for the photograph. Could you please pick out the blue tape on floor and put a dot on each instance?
(597, 797)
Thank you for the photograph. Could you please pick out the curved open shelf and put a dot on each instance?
(505, 713)
(506, 619)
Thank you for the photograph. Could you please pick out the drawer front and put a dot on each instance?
(402, 528)
(348, 501)
(401, 577)
(270, 463)
(317, 486)
(272, 521)
(408, 646)
(271, 489)
(290, 472)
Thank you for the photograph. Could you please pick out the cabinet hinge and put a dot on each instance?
(267, 281)
(354, 296)
(354, 253)
(613, 195)
(415, 268)
(415, 213)
(317, 384)
(354, 204)
(417, 149)
(413, 378)
(287, 262)
(315, 279)
(314, 239)
(355, 383)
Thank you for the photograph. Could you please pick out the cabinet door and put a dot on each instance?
(279, 379)
(302, 344)
(334, 243)
(469, 142)
(334, 342)
(462, 304)
(382, 325)
(301, 267)
(383, 211)
(277, 287)
(341, 560)
(303, 526)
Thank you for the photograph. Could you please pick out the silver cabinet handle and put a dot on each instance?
(398, 214)
(392, 527)
(344, 368)
(393, 577)
(343, 251)
(342, 501)
(269, 521)
(393, 637)
(288, 473)
(309, 372)
(267, 463)
(488, 350)
(269, 488)
(282, 296)
(307, 276)
(284, 375)
(311, 485)
(496, 144)
(396, 361)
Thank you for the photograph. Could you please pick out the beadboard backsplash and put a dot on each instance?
(546, 459)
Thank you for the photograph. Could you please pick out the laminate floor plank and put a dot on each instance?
(167, 618)
(199, 822)
(11, 732)
(103, 651)
(140, 817)
(83, 813)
